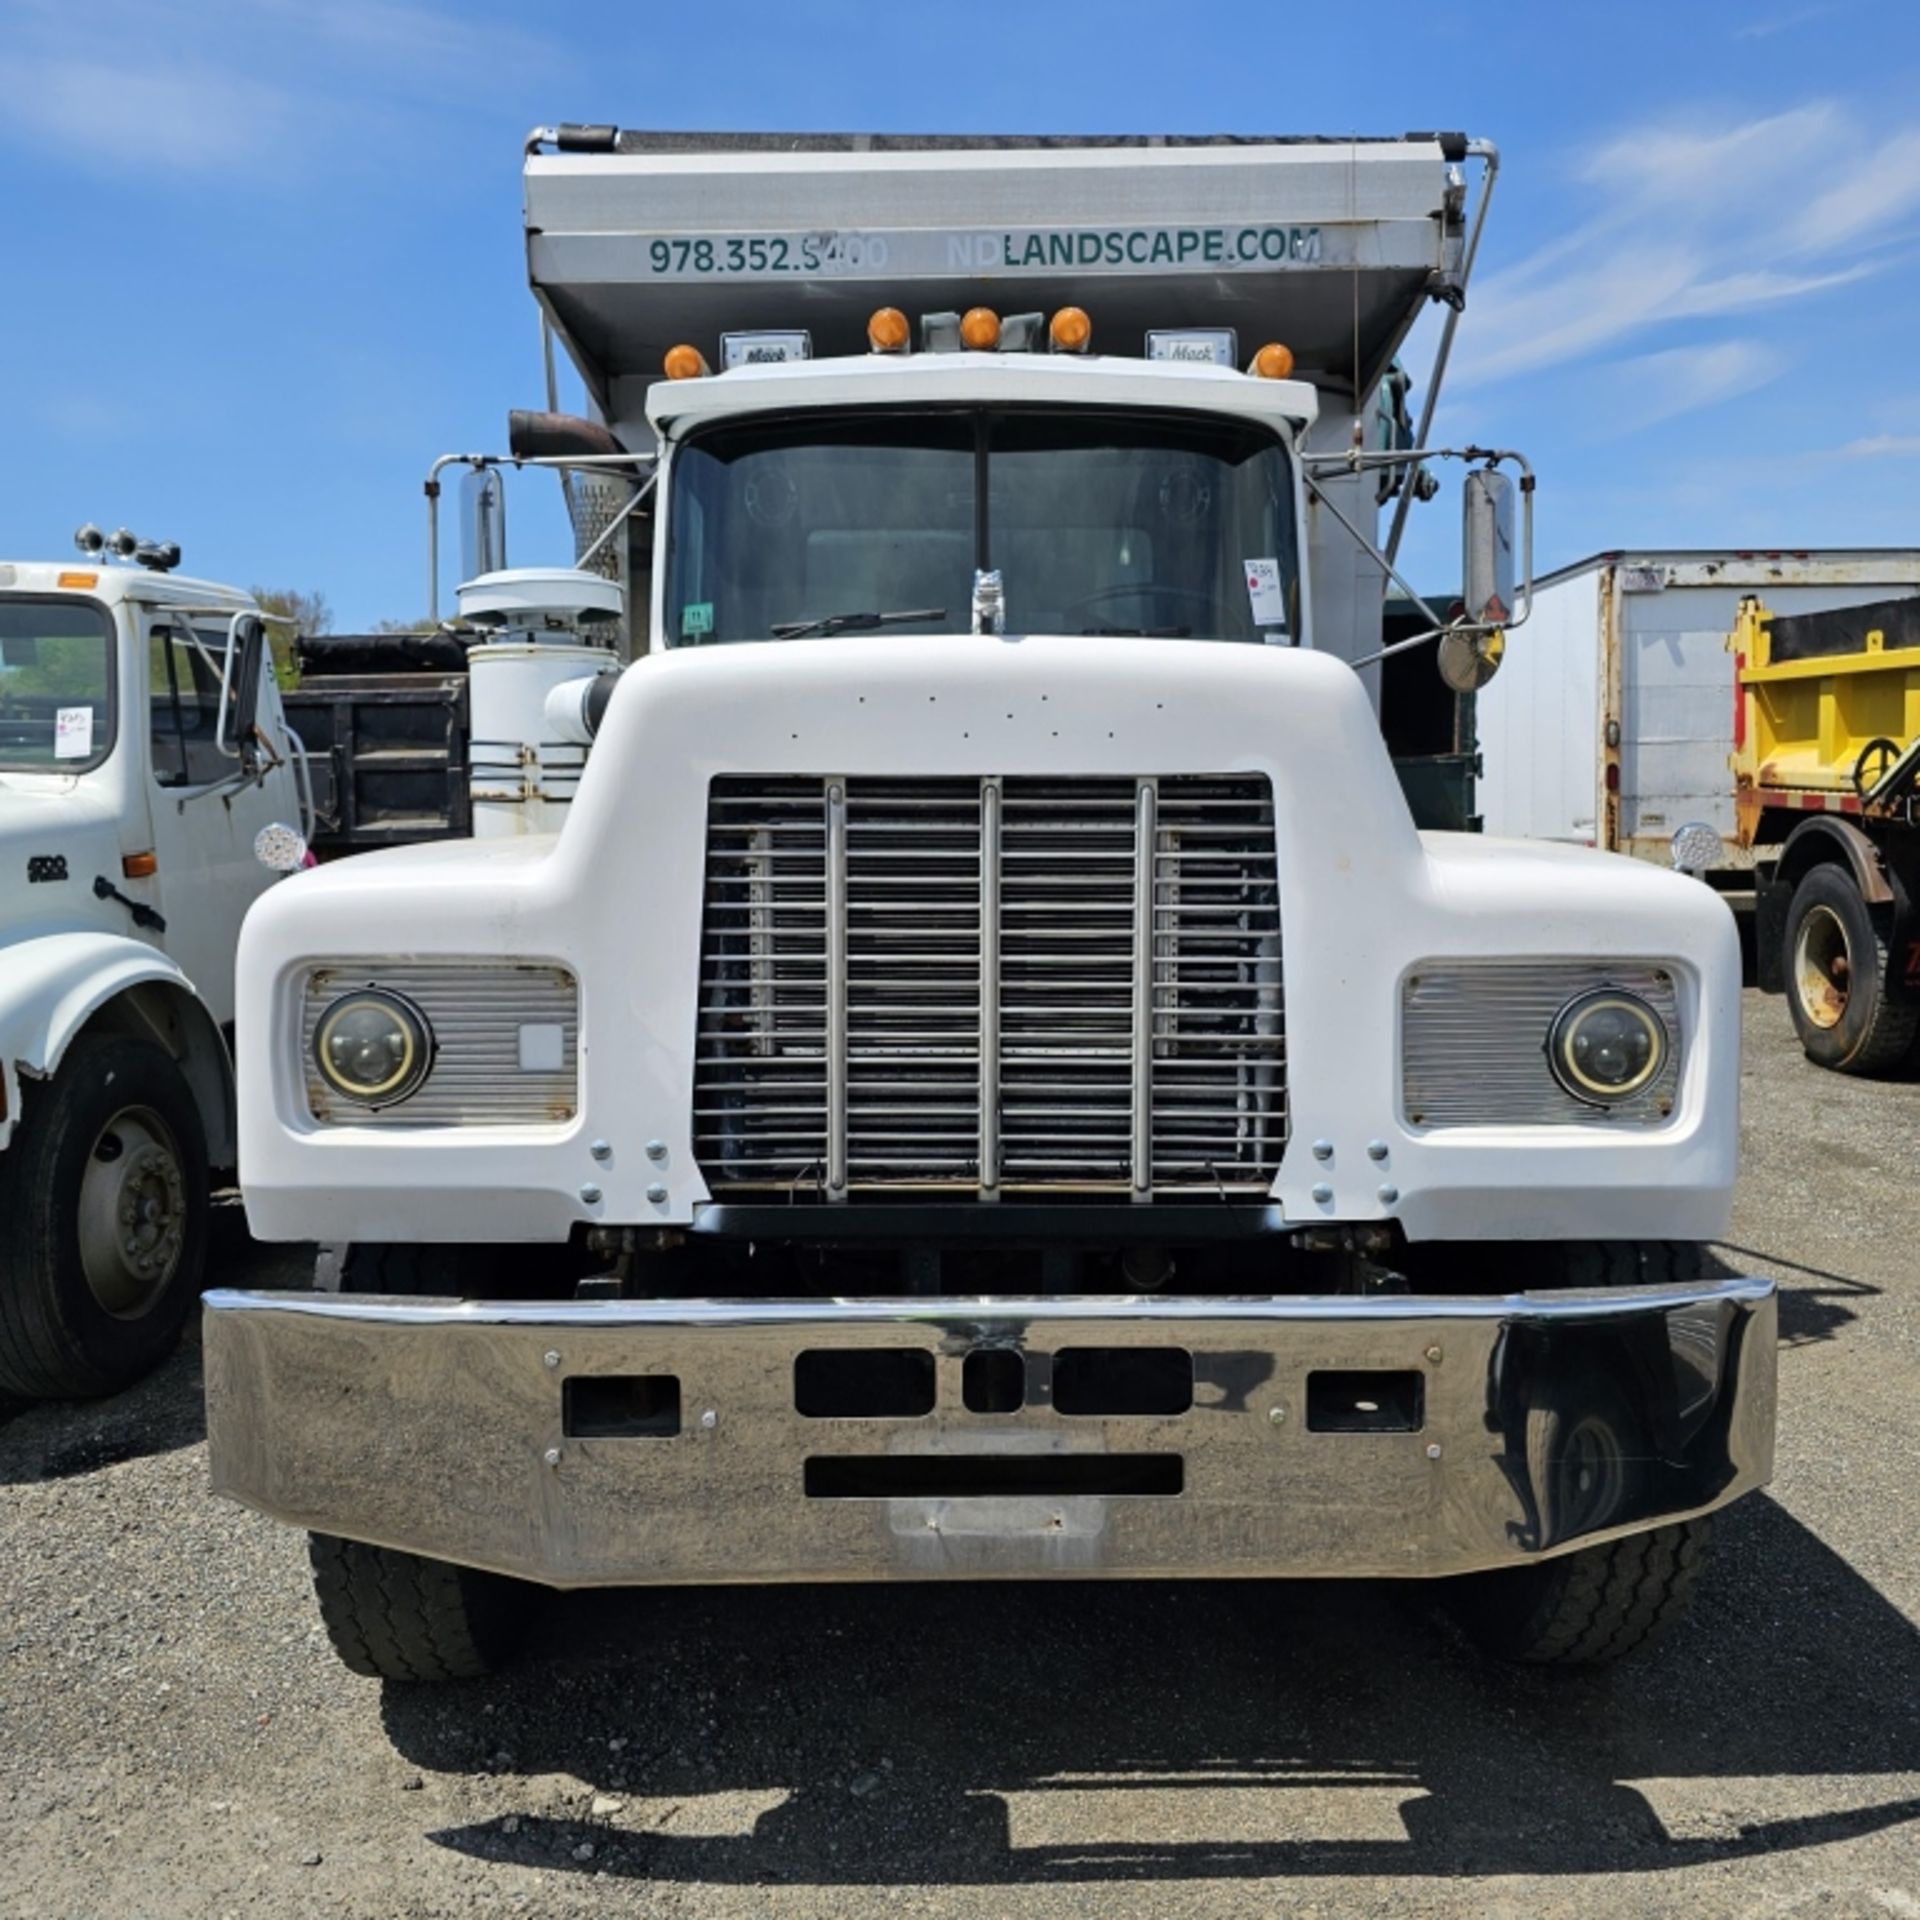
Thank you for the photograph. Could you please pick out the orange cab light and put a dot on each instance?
(887, 330)
(78, 580)
(1273, 361)
(1071, 330)
(685, 363)
(139, 866)
(980, 328)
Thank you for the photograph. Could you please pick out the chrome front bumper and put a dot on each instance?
(1384, 1435)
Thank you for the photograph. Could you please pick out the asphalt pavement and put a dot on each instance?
(176, 1738)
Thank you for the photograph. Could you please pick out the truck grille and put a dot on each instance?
(977, 987)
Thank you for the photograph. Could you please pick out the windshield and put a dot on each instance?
(1102, 523)
(56, 685)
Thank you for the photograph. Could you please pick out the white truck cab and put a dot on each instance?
(141, 751)
(988, 1080)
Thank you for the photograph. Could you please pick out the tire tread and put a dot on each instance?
(400, 1616)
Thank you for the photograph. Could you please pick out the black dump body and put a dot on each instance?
(383, 717)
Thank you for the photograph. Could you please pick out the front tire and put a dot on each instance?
(104, 1195)
(400, 1616)
(1835, 967)
(1587, 1465)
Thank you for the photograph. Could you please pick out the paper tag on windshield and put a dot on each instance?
(1269, 604)
(73, 733)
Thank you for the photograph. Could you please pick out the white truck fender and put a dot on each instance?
(53, 984)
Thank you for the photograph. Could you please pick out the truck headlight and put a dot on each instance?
(373, 1047)
(1607, 1045)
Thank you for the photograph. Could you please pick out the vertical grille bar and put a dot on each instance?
(990, 987)
(1146, 836)
(836, 990)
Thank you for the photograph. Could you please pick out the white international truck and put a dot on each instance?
(142, 750)
(988, 1081)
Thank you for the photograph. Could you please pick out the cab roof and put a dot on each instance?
(980, 379)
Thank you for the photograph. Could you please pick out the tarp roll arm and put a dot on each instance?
(1489, 154)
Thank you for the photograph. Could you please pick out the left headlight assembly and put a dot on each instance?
(1606, 1046)
(373, 1047)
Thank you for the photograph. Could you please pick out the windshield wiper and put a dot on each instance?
(831, 623)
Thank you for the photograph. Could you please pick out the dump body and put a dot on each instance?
(1614, 724)
(1827, 764)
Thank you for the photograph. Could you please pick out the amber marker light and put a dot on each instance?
(887, 330)
(139, 866)
(980, 329)
(685, 363)
(1071, 330)
(1273, 361)
(78, 580)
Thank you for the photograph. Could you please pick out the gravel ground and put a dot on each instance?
(176, 1738)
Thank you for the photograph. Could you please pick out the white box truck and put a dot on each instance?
(1615, 724)
(987, 1080)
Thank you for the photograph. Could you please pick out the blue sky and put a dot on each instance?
(264, 256)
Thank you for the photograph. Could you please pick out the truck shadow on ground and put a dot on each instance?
(1138, 1732)
(58, 1439)
(1815, 1302)
(55, 1440)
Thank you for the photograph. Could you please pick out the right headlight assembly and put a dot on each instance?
(373, 1047)
(1606, 1046)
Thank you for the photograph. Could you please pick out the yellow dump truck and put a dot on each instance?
(1827, 778)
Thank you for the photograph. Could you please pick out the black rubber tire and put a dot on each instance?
(57, 1341)
(1589, 1607)
(410, 1268)
(460, 1270)
(1875, 1031)
(1587, 1464)
(399, 1616)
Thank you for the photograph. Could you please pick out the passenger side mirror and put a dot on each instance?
(1487, 559)
(240, 689)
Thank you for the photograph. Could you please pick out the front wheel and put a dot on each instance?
(1835, 965)
(400, 1616)
(103, 1192)
(1586, 1462)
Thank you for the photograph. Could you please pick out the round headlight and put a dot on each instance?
(373, 1047)
(1607, 1046)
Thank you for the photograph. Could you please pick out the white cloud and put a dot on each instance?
(220, 83)
(1685, 216)
(1783, 23)
(1881, 446)
(1659, 386)
(109, 112)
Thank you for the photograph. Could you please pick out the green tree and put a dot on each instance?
(291, 613)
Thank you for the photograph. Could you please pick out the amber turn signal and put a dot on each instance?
(1273, 361)
(1071, 330)
(139, 866)
(887, 330)
(78, 580)
(980, 328)
(685, 363)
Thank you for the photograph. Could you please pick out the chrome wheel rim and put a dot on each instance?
(133, 1213)
(1822, 968)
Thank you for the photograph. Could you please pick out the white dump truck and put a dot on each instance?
(988, 1080)
(142, 750)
